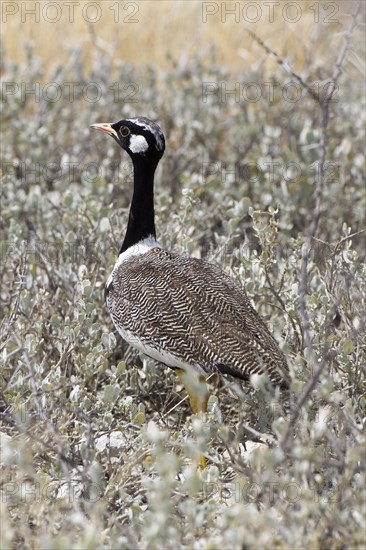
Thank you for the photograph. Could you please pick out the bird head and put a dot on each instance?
(140, 137)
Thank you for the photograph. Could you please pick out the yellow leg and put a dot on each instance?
(197, 391)
(203, 463)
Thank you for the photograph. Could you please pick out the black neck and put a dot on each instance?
(141, 218)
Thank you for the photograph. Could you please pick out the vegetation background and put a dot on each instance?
(264, 116)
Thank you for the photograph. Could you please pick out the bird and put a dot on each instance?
(181, 311)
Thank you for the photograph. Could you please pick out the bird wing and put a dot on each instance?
(193, 311)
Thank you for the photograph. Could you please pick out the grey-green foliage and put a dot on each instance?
(94, 451)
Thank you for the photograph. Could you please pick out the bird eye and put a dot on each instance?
(124, 131)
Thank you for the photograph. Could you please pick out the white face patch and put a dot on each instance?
(138, 144)
(157, 135)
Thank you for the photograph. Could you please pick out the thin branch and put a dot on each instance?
(283, 306)
(337, 71)
(284, 65)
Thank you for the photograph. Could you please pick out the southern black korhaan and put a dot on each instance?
(182, 311)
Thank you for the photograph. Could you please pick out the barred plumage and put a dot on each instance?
(191, 310)
(182, 311)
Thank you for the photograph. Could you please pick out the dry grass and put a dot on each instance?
(150, 31)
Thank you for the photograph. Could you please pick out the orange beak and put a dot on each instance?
(106, 128)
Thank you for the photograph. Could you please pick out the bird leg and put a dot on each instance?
(198, 394)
